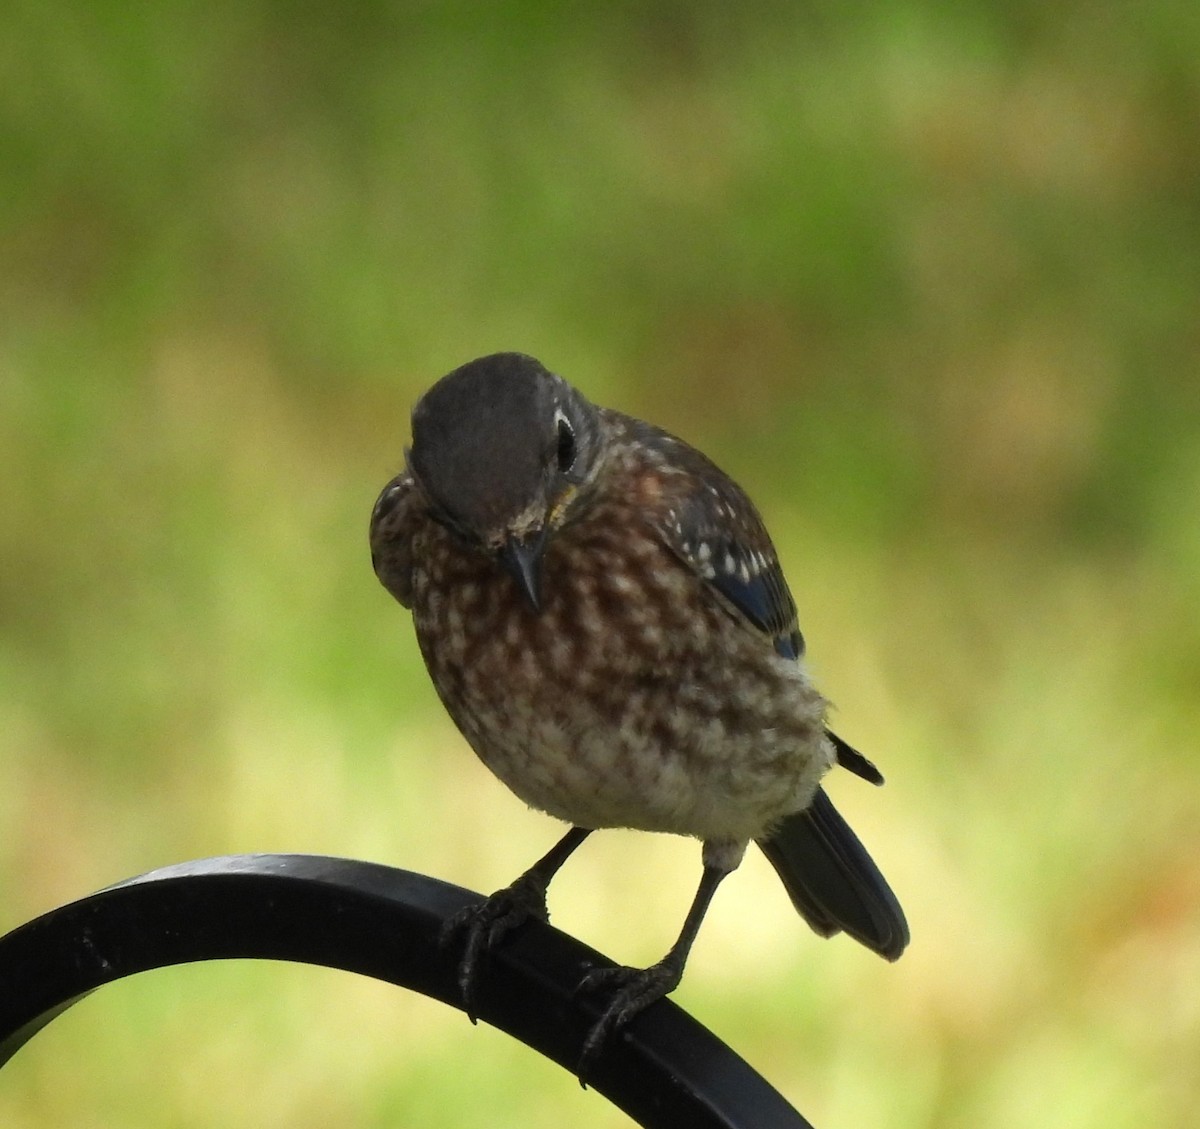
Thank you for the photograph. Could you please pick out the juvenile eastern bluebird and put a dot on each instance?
(604, 617)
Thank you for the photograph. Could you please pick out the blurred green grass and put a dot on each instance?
(924, 277)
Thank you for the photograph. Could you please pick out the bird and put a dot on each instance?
(604, 617)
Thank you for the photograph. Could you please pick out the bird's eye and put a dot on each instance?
(566, 450)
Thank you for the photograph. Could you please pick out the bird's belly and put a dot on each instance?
(606, 717)
(711, 785)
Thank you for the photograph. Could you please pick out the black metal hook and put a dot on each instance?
(666, 1070)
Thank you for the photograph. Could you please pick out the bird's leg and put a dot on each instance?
(487, 922)
(634, 989)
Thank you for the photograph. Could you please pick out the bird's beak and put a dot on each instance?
(523, 559)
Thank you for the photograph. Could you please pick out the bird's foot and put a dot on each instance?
(485, 924)
(632, 991)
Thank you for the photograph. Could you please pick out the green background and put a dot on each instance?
(925, 277)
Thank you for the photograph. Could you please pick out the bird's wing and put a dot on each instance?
(396, 514)
(714, 528)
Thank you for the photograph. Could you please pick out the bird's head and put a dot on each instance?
(505, 451)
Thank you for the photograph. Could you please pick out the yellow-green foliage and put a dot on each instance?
(924, 277)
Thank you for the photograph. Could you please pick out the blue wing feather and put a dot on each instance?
(764, 600)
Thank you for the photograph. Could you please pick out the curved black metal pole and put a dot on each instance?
(665, 1070)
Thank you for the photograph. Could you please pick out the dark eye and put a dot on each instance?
(566, 444)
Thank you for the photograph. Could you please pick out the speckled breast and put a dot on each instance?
(633, 698)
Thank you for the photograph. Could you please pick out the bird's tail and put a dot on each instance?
(832, 880)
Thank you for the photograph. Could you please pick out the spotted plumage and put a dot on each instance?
(605, 618)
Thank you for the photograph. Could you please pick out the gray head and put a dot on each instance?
(502, 449)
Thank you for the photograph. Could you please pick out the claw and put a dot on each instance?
(485, 925)
(633, 990)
